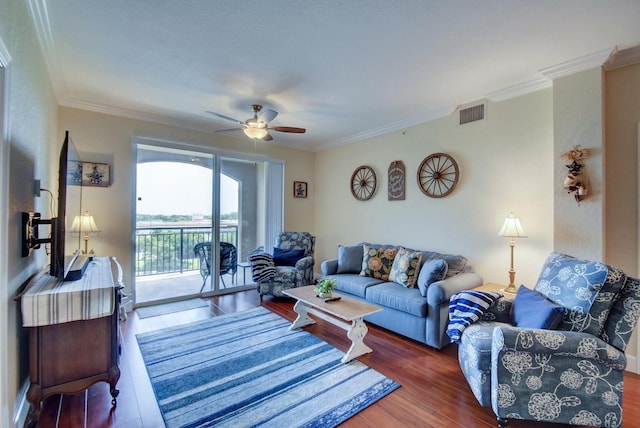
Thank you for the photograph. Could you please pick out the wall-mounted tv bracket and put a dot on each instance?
(30, 236)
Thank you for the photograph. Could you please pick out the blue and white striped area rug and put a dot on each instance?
(248, 369)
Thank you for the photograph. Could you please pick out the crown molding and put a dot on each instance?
(622, 58)
(39, 15)
(587, 62)
(520, 89)
(389, 128)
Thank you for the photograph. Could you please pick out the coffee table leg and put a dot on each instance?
(356, 333)
(303, 317)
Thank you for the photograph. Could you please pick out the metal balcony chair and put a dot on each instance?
(228, 261)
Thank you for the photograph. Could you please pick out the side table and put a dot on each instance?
(244, 266)
(495, 287)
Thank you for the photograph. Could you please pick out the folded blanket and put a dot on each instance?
(262, 267)
(466, 307)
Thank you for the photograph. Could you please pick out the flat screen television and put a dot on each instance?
(66, 261)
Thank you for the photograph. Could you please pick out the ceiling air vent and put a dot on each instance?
(471, 114)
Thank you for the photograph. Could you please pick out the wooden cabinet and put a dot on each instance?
(69, 357)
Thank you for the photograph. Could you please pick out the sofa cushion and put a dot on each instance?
(586, 289)
(350, 259)
(623, 316)
(287, 257)
(430, 272)
(396, 296)
(532, 310)
(405, 268)
(354, 283)
(377, 261)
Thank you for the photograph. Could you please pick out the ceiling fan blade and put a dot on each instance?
(288, 129)
(221, 116)
(268, 115)
(267, 137)
(228, 131)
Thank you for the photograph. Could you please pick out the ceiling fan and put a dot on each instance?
(257, 127)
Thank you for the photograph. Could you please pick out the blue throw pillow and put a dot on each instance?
(350, 259)
(532, 310)
(287, 257)
(430, 272)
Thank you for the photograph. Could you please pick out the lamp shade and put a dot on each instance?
(84, 224)
(511, 228)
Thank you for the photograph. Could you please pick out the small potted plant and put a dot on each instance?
(324, 288)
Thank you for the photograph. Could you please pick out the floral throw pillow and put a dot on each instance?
(405, 268)
(377, 262)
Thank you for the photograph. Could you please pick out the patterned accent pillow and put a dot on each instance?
(262, 267)
(377, 262)
(586, 289)
(405, 268)
(623, 316)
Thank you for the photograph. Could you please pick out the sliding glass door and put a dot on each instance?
(198, 217)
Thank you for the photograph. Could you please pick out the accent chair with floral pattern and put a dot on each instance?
(298, 271)
(572, 374)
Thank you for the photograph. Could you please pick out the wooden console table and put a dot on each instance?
(73, 334)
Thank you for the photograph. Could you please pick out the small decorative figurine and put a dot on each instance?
(576, 180)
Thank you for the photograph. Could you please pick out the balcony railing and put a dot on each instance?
(161, 250)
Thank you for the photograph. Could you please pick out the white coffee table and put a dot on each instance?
(346, 313)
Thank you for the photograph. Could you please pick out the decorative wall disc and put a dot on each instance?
(363, 183)
(438, 175)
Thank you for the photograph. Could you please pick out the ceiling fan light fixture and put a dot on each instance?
(255, 133)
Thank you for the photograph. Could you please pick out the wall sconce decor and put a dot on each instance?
(576, 181)
(85, 224)
(511, 228)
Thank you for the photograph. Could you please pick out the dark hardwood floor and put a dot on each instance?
(434, 392)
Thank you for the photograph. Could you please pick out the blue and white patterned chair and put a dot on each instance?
(299, 274)
(573, 374)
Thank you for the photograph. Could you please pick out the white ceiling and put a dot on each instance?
(345, 70)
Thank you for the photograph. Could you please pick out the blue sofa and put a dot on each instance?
(415, 307)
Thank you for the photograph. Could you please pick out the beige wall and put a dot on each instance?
(32, 134)
(506, 164)
(622, 117)
(105, 138)
(578, 115)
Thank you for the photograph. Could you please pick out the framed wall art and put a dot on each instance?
(299, 189)
(96, 174)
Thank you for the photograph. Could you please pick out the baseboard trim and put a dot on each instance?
(632, 365)
(21, 410)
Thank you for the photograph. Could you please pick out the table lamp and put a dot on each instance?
(87, 225)
(511, 228)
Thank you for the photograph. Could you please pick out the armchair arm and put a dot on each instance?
(570, 345)
(558, 376)
(329, 267)
(305, 263)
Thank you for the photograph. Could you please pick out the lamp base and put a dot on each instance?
(510, 289)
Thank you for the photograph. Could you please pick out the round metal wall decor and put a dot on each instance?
(438, 175)
(363, 183)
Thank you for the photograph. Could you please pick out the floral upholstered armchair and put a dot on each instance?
(569, 373)
(290, 264)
